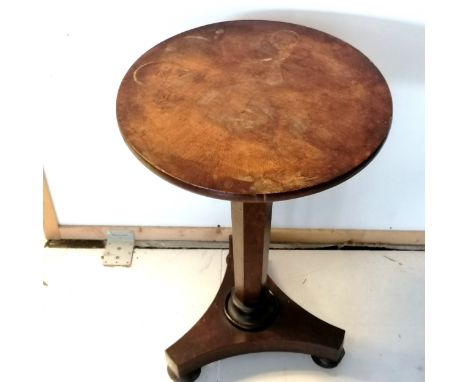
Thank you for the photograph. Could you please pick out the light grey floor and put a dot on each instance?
(113, 324)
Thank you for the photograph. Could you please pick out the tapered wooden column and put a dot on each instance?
(251, 305)
(251, 225)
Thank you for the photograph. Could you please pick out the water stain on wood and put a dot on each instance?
(254, 110)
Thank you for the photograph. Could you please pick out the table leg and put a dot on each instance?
(250, 313)
(251, 305)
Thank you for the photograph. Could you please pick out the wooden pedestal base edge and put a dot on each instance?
(213, 337)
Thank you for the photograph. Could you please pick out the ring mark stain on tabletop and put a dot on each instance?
(261, 108)
(135, 72)
(197, 38)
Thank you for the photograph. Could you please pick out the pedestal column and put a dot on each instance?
(251, 305)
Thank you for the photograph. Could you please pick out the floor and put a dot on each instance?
(113, 323)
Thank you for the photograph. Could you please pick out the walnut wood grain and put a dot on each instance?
(254, 110)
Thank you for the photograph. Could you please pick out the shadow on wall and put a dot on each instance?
(395, 47)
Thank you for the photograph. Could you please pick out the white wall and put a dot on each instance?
(94, 178)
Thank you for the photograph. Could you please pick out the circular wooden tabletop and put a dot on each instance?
(254, 110)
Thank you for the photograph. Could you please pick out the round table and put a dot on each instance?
(253, 112)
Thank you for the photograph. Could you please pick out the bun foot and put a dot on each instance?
(328, 363)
